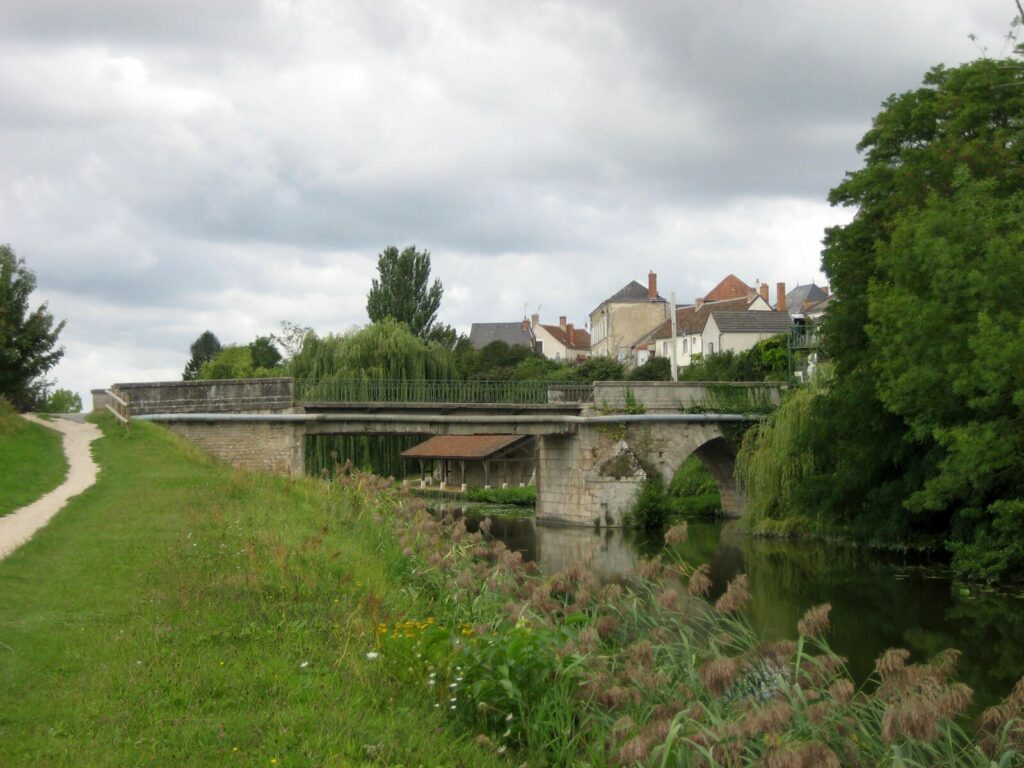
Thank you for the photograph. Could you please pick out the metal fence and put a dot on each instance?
(496, 392)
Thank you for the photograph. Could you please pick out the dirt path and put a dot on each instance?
(18, 527)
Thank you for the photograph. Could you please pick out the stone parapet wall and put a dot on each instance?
(259, 446)
(673, 396)
(213, 396)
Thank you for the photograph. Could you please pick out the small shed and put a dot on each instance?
(480, 460)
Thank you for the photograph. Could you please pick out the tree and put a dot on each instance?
(916, 435)
(203, 349)
(27, 338)
(290, 340)
(62, 401)
(404, 291)
(264, 353)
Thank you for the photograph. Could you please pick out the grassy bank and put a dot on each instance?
(32, 460)
(181, 613)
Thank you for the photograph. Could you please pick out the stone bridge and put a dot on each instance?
(592, 457)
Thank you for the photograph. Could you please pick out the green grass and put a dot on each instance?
(183, 613)
(32, 460)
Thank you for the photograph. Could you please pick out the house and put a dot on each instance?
(560, 342)
(513, 334)
(475, 460)
(624, 317)
(731, 294)
(732, 331)
(802, 297)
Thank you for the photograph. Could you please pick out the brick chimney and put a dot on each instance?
(561, 322)
(652, 286)
(780, 297)
(764, 292)
(572, 334)
(526, 324)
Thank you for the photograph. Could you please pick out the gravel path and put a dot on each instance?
(18, 527)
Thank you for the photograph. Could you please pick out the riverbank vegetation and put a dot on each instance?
(918, 436)
(194, 614)
(180, 613)
(32, 458)
(561, 670)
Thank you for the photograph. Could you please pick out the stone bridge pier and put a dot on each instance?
(592, 477)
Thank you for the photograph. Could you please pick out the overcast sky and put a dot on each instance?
(172, 166)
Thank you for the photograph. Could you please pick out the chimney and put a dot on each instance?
(652, 286)
(698, 302)
(764, 293)
(780, 297)
(561, 322)
(572, 334)
(526, 324)
(534, 319)
(825, 289)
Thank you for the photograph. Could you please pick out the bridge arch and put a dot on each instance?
(672, 446)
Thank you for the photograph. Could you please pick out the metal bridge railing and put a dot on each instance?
(456, 392)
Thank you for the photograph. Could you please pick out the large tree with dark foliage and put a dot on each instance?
(203, 349)
(920, 432)
(403, 290)
(28, 338)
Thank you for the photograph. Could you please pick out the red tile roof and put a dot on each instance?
(730, 288)
(462, 446)
(562, 336)
(692, 320)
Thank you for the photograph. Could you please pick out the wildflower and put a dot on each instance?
(815, 621)
(303, 665)
(372, 655)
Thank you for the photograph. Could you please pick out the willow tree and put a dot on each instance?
(349, 365)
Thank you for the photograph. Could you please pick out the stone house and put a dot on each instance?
(731, 294)
(626, 316)
(560, 342)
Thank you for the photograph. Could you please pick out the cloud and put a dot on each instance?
(169, 167)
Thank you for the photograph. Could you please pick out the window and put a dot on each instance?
(711, 347)
(685, 345)
(539, 346)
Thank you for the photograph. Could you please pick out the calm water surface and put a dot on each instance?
(878, 600)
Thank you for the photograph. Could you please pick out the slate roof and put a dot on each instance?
(463, 446)
(795, 298)
(562, 335)
(752, 322)
(629, 293)
(692, 320)
(482, 334)
(731, 287)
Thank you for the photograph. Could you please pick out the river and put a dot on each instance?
(879, 600)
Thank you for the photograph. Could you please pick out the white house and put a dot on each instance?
(732, 331)
(560, 342)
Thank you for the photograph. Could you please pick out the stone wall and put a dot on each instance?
(673, 396)
(259, 446)
(214, 396)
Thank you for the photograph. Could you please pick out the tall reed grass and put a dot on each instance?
(566, 671)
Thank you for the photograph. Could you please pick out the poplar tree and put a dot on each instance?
(403, 290)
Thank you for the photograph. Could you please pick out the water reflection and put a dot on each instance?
(878, 601)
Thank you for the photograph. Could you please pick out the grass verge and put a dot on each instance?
(32, 460)
(182, 613)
